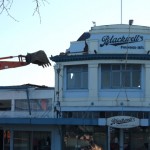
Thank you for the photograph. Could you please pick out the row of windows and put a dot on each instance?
(113, 76)
(105, 114)
(23, 105)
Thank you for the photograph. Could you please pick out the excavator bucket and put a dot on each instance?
(39, 58)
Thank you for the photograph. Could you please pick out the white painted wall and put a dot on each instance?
(101, 97)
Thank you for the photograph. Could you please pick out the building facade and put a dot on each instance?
(102, 89)
(26, 118)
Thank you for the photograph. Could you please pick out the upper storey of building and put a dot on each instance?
(109, 40)
(26, 101)
(106, 64)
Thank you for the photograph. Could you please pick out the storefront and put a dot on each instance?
(137, 138)
(83, 137)
(34, 140)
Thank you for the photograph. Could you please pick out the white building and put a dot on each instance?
(103, 89)
(27, 119)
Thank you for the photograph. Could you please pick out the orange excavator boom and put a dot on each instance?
(11, 64)
(38, 58)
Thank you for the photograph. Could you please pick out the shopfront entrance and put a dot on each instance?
(137, 138)
(25, 140)
(125, 133)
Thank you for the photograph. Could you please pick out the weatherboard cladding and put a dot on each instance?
(65, 58)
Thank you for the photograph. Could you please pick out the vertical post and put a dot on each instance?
(121, 11)
(149, 118)
(11, 138)
(58, 108)
(108, 138)
(121, 141)
(28, 99)
(13, 105)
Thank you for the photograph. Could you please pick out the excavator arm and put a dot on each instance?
(38, 58)
(11, 64)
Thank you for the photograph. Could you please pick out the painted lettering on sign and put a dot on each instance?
(116, 41)
(123, 122)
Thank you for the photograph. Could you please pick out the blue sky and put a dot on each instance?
(62, 21)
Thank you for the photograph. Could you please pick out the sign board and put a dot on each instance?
(135, 43)
(123, 122)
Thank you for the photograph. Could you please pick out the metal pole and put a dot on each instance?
(28, 99)
(11, 138)
(121, 11)
(121, 141)
(108, 138)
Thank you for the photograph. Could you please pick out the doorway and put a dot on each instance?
(129, 139)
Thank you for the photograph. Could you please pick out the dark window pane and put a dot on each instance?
(5, 105)
(115, 67)
(136, 79)
(115, 79)
(126, 79)
(136, 67)
(77, 77)
(105, 79)
(84, 80)
(126, 67)
(105, 67)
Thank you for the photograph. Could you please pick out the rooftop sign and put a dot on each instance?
(123, 122)
(120, 42)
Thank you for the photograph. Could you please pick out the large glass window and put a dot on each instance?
(120, 76)
(77, 77)
(35, 105)
(6, 135)
(36, 140)
(21, 140)
(84, 138)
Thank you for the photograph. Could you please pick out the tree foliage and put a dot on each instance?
(5, 6)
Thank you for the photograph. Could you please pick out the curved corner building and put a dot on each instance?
(103, 89)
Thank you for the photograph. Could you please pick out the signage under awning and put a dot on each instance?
(123, 122)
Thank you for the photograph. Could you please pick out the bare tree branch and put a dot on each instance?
(37, 8)
(5, 6)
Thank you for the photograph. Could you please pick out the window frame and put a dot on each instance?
(81, 71)
(128, 68)
(35, 104)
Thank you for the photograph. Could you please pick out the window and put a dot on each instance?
(120, 76)
(35, 105)
(5, 105)
(31, 140)
(84, 137)
(77, 77)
